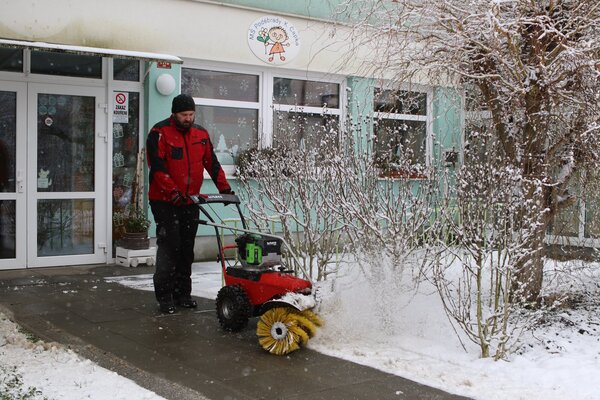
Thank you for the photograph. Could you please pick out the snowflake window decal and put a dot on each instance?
(223, 91)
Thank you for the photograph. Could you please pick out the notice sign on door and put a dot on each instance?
(121, 108)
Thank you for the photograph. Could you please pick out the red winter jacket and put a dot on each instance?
(177, 160)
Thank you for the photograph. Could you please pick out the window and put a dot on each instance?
(227, 105)
(11, 60)
(64, 64)
(125, 151)
(296, 92)
(125, 162)
(305, 111)
(566, 222)
(303, 129)
(592, 220)
(126, 70)
(400, 127)
(232, 105)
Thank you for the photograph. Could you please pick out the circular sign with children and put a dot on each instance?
(274, 40)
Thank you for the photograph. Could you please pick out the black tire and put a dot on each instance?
(233, 308)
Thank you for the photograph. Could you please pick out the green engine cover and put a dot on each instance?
(253, 254)
(258, 250)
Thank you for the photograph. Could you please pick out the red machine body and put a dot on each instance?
(257, 282)
(262, 286)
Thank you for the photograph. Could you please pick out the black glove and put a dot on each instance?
(179, 199)
(227, 191)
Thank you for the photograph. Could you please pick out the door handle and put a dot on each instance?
(20, 181)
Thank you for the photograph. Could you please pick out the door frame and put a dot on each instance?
(20, 193)
(99, 254)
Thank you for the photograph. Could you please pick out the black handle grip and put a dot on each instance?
(216, 198)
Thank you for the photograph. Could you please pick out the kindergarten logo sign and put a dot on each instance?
(274, 40)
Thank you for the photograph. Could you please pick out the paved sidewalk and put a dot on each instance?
(185, 355)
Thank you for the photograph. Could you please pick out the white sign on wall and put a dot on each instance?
(274, 40)
(121, 108)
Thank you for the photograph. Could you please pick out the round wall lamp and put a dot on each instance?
(165, 84)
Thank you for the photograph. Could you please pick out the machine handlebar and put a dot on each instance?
(216, 198)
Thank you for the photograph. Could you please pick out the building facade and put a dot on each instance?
(82, 82)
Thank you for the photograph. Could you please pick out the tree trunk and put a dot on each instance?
(536, 215)
(529, 272)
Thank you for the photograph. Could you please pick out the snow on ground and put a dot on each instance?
(33, 369)
(559, 359)
(391, 328)
(396, 330)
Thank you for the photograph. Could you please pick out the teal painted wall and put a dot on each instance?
(360, 108)
(447, 121)
(446, 115)
(321, 9)
(447, 131)
(330, 10)
(158, 107)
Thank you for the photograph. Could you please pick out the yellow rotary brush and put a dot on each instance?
(282, 330)
(312, 317)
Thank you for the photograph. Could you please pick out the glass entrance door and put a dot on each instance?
(53, 154)
(66, 202)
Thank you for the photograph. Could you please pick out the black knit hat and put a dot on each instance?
(183, 102)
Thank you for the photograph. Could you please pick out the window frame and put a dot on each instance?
(298, 109)
(266, 106)
(427, 118)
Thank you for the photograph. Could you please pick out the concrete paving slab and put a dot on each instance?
(185, 355)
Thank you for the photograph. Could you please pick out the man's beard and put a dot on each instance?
(184, 125)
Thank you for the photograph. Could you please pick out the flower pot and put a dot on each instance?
(135, 240)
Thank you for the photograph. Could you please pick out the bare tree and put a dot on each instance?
(289, 190)
(482, 231)
(383, 215)
(536, 66)
(329, 199)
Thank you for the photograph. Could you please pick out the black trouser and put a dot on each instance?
(176, 229)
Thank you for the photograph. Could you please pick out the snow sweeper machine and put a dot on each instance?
(256, 284)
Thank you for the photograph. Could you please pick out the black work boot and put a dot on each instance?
(167, 307)
(187, 303)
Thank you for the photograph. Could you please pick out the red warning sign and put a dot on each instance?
(121, 108)
(121, 98)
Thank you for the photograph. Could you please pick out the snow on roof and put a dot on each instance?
(66, 48)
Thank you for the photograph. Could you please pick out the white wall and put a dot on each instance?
(185, 28)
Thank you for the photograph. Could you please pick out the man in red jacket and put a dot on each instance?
(178, 152)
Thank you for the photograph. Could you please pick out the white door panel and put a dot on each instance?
(66, 175)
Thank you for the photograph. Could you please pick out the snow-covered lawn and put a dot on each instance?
(409, 335)
(388, 327)
(33, 369)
